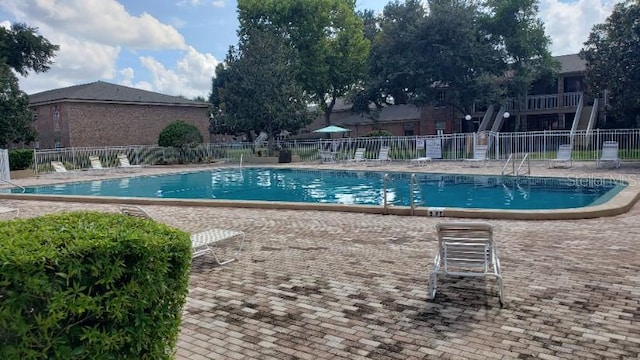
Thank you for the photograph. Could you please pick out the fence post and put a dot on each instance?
(35, 162)
(544, 143)
(596, 145)
(5, 171)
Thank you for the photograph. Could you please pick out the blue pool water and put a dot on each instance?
(352, 187)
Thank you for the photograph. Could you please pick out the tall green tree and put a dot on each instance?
(460, 62)
(519, 33)
(328, 37)
(612, 53)
(23, 49)
(15, 116)
(394, 64)
(260, 89)
(455, 52)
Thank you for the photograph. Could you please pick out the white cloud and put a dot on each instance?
(91, 35)
(189, 2)
(128, 74)
(569, 23)
(191, 76)
(76, 62)
(218, 3)
(102, 21)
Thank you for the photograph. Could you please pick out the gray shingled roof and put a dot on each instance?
(101, 91)
(571, 63)
(388, 114)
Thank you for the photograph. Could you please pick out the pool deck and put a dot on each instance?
(325, 284)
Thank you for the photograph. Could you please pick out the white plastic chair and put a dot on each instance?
(479, 156)
(383, 155)
(609, 154)
(61, 170)
(125, 164)
(327, 156)
(562, 157)
(465, 249)
(201, 242)
(425, 160)
(96, 164)
(358, 156)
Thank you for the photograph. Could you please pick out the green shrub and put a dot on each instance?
(86, 285)
(379, 133)
(20, 159)
(179, 134)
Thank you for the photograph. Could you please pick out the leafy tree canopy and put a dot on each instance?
(23, 49)
(179, 134)
(15, 116)
(328, 37)
(463, 47)
(612, 53)
(257, 89)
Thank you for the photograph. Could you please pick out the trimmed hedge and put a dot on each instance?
(87, 285)
(20, 159)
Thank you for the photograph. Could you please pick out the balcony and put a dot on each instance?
(538, 103)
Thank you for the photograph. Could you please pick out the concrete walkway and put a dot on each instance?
(321, 285)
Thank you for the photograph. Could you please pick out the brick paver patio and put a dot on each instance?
(321, 285)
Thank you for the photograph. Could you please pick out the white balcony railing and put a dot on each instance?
(545, 102)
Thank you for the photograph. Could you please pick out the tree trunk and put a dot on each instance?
(327, 113)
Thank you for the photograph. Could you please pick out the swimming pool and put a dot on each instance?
(349, 187)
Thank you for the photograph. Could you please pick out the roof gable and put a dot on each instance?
(571, 63)
(102, 92)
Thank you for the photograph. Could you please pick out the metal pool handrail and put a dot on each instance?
(507, 163)
(525, 158)
(414, 182)
(385, 178)
(16, 185)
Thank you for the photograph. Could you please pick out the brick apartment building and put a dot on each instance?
(105, 114)
(561, 106)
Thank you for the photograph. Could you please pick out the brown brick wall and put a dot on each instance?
(46, 133)
(92, 124)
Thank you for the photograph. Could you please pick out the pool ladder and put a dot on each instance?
(13, 184)
(412, 188)
(514, 171)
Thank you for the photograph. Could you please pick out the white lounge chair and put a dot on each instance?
(479, 156)
(383, 155)
(96, 164)
(201, 242)
(126, 165)
(7, 213)
(421, 161)
(562, 157)
(61, 170)
(327, 156)
(465, 249)
(609, 154)
(358, 156)
(59, 167)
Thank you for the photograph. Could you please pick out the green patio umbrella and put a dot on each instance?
(331, 129)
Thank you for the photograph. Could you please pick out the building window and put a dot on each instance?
(56, 118)
(36, 145)
(408, 129)
(440, 101)
(57, 144)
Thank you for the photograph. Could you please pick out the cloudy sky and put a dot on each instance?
(173, 46)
